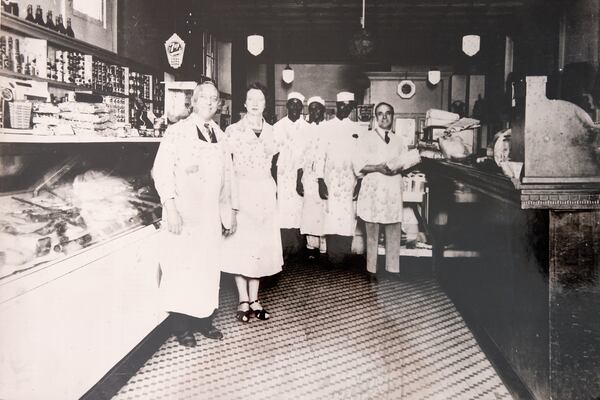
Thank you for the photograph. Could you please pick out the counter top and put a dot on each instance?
(483, 179)
(568, 195)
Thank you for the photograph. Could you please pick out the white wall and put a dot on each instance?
(84, 30)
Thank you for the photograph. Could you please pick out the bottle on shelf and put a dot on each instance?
(17, 54)
(29, 16)
(49, 20)
(69, 30)
(27, 67)
(3, 53)
(57, 23)
(39, 16)
(61, 26)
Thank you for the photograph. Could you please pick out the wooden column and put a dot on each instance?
(575, 304)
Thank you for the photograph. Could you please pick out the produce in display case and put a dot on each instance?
(70, 203)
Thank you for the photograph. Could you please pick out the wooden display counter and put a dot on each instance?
(527, 279)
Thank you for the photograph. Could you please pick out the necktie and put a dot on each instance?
(211, 133)
(387, 137)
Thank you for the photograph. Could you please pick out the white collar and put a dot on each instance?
(296, 122)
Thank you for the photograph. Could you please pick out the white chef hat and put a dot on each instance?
(345, 96)
(296, 95)
(316, 99)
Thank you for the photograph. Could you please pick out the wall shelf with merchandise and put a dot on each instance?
(31, 52)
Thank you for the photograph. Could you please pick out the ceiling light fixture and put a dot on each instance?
(362, 43)
(471, 44)
(256, 44)
(434, 76)
(287, 74)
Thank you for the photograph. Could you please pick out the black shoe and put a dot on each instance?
(244, 316)
(392, 275)
(259, 313)
(210, 331)
(186, 339)
(325, 262)
(372, 277)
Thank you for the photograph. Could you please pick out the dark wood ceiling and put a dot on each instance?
(385, 16)
(406, 31)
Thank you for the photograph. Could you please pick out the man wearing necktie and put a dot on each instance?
(193, 175)
(380, 198)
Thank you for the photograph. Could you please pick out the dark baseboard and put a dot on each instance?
(118, 375)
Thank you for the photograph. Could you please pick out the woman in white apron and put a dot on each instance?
(192, 175)
(255, 250)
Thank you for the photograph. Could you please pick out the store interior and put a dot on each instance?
(499, 294)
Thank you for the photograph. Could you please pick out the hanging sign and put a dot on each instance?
(406, 89)
(175, 46)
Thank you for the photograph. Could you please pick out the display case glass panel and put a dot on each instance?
(58, 199)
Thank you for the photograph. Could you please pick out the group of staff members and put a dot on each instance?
(223, 211)
(330, 172)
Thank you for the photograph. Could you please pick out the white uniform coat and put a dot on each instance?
(255, 249)
(197, 175)
(289, 136)
(313, 207)
(380, 197)
(338, 173)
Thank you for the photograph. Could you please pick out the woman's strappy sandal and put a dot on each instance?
(244, 316)
(261, 314)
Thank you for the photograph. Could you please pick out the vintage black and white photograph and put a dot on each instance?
(300, 199)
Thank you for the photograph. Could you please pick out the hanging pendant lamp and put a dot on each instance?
(287, 74)
(256, 44)
(434, 76)
(362, 43)
(471, 44)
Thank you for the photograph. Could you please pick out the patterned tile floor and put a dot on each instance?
(333, 335)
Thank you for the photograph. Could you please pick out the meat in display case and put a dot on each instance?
(58, 201)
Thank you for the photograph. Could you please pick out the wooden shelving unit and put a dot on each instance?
(25, 28)
(59, 84)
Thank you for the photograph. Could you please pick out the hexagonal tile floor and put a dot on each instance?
(332, 335)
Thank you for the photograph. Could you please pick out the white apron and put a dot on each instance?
(380, 197)
(313, 207)
(289, 136)
(193, 172)
(338, 173)
(255, 249)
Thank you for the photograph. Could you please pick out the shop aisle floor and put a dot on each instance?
(332, 335)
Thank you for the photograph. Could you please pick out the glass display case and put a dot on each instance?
(57, 200)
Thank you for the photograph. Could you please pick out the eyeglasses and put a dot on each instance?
(210, 99)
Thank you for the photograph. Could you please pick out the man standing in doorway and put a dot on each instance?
(338, 184)
(288, 133)
(193, 176)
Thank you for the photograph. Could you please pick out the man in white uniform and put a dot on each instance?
(380, 198)
(193, 176)
(313, 207)
(288, 133)
(338, 184)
